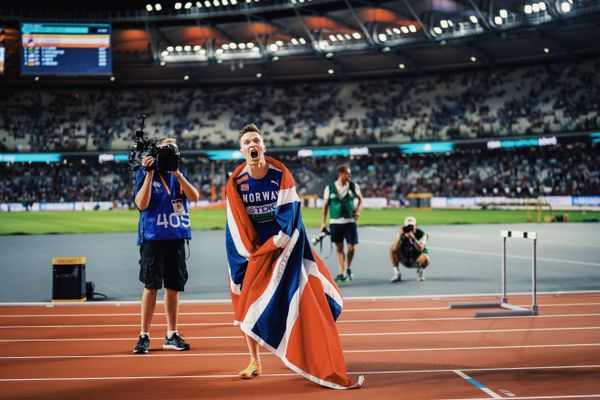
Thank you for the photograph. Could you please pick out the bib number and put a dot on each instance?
(173, 220)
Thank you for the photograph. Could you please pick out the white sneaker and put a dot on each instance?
(420, 276)
(396, 278)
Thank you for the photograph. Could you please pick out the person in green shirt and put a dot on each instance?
(409, 250)
(338, 199)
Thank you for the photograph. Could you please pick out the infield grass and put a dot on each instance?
(53, 222)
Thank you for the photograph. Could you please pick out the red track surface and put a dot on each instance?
(406, 348)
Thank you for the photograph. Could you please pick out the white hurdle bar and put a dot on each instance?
(510, 310)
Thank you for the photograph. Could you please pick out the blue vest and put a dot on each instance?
(260, 198)
(159, 221)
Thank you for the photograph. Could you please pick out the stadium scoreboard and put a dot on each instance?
(65, 49)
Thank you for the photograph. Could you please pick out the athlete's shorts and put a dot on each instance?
(163, 261)
(348, 231)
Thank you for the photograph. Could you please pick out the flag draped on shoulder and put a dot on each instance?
(283, 296)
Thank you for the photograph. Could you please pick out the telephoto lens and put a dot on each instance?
(317, 239)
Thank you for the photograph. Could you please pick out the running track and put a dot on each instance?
(407, 348)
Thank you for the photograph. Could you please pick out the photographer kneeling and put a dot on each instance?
(409, 250)
(162, 192)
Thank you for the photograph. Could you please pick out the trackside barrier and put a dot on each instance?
(511, 310)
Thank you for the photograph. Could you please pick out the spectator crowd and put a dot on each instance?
(571, 169)
(548, 98)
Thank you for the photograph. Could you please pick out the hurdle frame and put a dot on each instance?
(510, 310)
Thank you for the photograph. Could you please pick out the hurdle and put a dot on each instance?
(510, 310)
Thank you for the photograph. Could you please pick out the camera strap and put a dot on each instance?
(165, 183)
(167, 186)
(177, 204)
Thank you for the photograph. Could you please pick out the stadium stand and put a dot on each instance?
(554, 97)
(560, 170)
(572, 169)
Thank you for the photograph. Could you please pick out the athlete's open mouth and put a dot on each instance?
(254, 154)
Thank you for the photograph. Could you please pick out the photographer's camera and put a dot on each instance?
(317, 239)
(166, 158)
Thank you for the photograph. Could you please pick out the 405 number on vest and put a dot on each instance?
(173, 220)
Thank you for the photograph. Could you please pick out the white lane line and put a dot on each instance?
(349, 299)
(430, 349)
(350, 321)
(508, 369)
(491, 254)
(527, 346)
(445, 308)
(441, 332)
(494, 238)
(389, 372)
(562, 396)
(353, 310)
(112, 325)
(417, 333)
(477, 384)
(129, 339)
(161, 314)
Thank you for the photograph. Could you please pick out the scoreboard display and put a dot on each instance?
(65, 49)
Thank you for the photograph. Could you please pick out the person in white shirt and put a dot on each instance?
(339, 198)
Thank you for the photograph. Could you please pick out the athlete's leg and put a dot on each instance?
(253, 348)
(254, 368)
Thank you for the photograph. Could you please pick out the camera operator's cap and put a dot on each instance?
(410, 221)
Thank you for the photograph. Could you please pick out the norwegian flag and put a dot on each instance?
(283, 296)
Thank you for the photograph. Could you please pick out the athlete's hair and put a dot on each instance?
(248, 128)
(342, 168)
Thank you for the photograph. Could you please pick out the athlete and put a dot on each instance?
(283, 296)
(163, 229)
(258, 187)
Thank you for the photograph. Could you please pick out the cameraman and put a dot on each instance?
(409, 250)
(163, 229)
(339, 199)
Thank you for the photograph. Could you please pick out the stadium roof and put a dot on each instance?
(243, 40)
